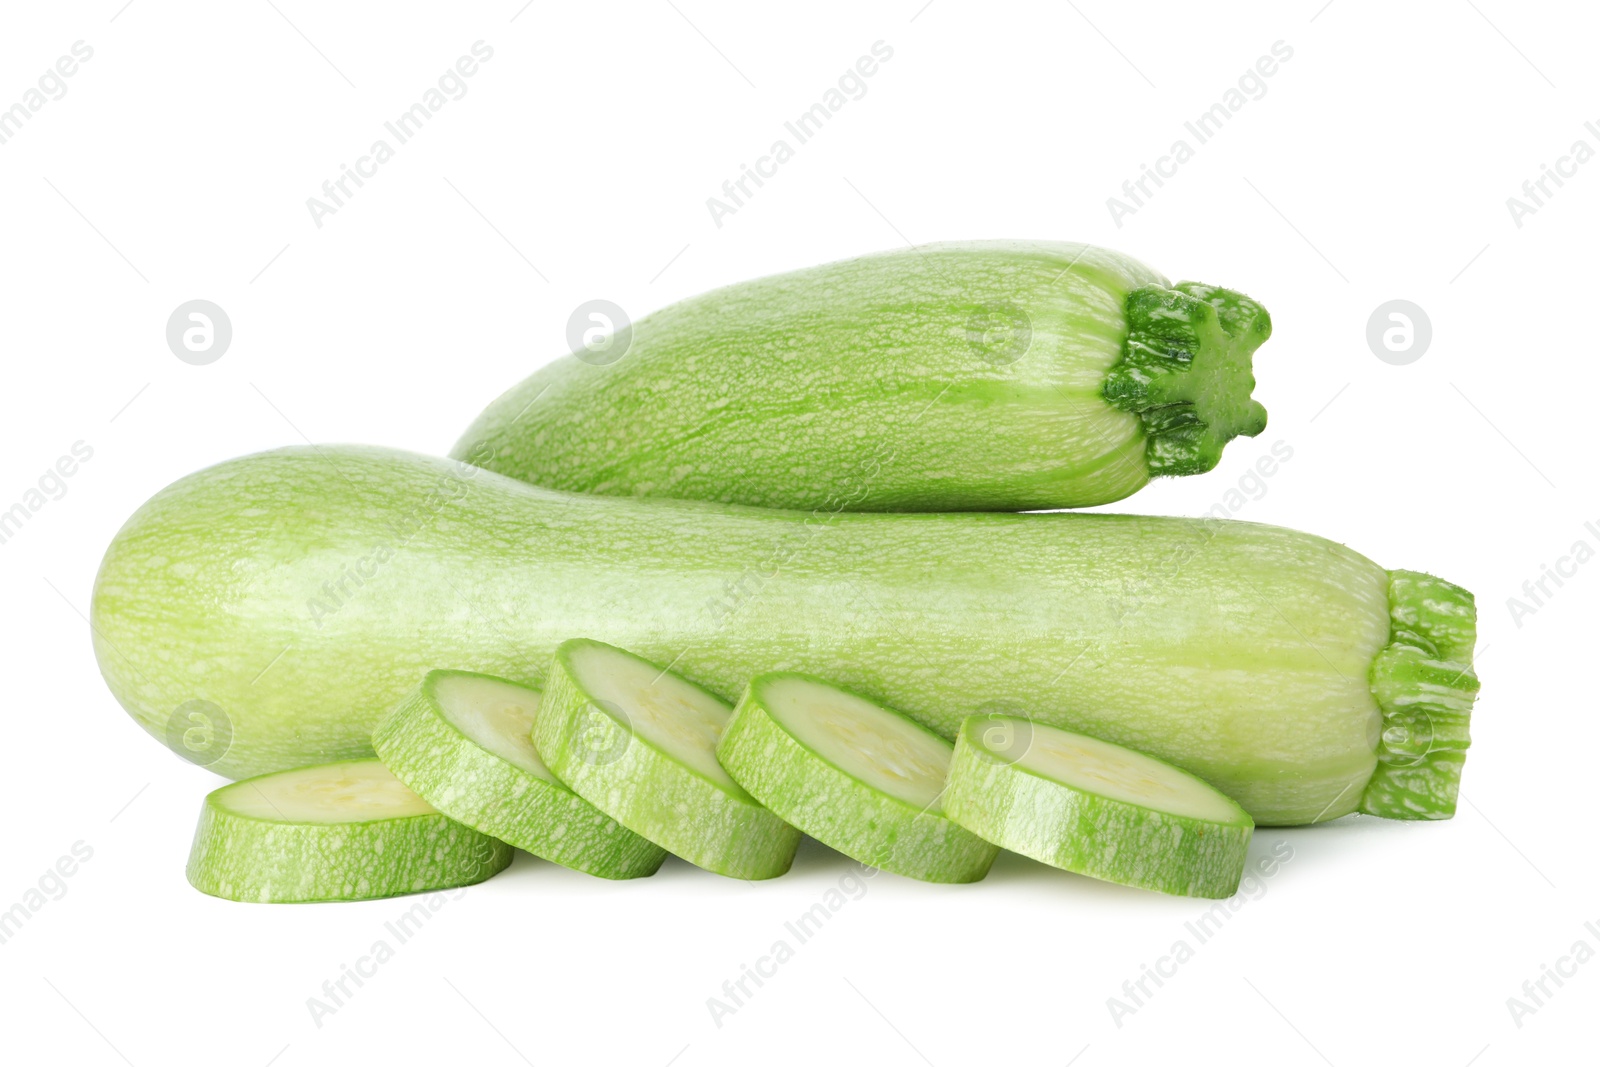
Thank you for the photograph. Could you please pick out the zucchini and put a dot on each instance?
(856, 776)
(335, 831)
(1297, 676)
(463, 742)
(1084, 805)
(640, 743)
(981, 376)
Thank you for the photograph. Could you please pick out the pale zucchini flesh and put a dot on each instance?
(462, 741)
(1294, 674)
(1095, 808)
(858, 777)
(990, 376)
(639, 743)
(335, 831)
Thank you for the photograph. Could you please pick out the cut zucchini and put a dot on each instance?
(335, 831)
(1088, 806)
(463, 742)
(856, 776)
(639, 743)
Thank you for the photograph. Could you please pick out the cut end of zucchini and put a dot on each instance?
(855, 775)
(879, 747)
(1424, 685)
(462, 741)
(329, 793)
(335, 831)
(495, 714)
(640, 743)
(1095, 808)
(1186, 372)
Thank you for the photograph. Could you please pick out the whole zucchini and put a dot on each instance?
(985, 376)
(298, 594)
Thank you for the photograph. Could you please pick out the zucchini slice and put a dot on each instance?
(855, 775)
(463, 742)
(334, 831)
(639, 743)
(1088, 806)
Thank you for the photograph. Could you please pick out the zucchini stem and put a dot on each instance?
(1424, 684)
(1186, 372)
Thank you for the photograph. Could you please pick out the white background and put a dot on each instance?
(1376, 166)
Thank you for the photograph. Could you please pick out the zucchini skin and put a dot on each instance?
(807, 791)
(719, 828)
(1076, 830)
(971, 376)
(304, 591)
(479, 789)
(238, 857)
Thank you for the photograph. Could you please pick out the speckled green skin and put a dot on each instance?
(1086, 833)
(723, 830)
(951, 377)
(239, 857)
(842, 811)
(472, 785)
(1239, 652)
